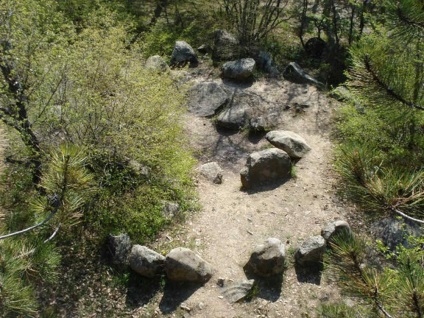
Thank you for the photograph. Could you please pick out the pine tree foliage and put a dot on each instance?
(383, 129)
(397, 292)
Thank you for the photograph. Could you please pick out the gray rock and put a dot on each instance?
(119, 247)
(335, 228)
(393, 231)
(294, 73)
(204, 49)
(156, 63)
(206, 98)
(239, 70)
(182, 54)
(268, 259)
(184, 265)
(238, 291)
(212, 171)
(226, 46)
(311, 251)
(288, 141)
(146, 262)
(234, 117)
(170, 209)
(265, 167)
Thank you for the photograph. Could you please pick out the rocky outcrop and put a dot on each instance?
(119, 247)
(265, 167)
(146, 262)
(288, 141)
(184, 265)
(239, 70)
(334, 229)
(311, 251)
(294, 73)
(182, 54)
(268, 259)
(211, 171)
(157, 64)
(226, 46)
(206, 98)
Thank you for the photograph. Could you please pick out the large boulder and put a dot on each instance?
(211, 171)
(288, 141)
(333, 229)
(311, 251)
(184, 265)
(315, 47)
(146, 262)
(267, 259)
(119, 247)
(239, 70)
(157, 64)
(182, 54)
(294, 73)
(265, 167)
(206, 98)
(226, 46)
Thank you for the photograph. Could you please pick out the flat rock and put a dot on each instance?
(238, 291)
(183, 265)
(145, 261)
(206, 98)
(288, 141)
(265, 167)
(294, 73)
(268, 259)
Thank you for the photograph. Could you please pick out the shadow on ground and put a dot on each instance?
(268, 288)
(309, 274)
(174, 294)
(141, 290)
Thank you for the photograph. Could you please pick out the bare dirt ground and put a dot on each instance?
(232, 222)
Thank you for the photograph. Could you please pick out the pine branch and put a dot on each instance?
(406, 216)
(386, 88)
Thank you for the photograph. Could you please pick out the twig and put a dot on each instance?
(407, 216)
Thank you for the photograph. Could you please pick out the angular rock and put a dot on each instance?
(311, 251)
(265, 167)
(146, 262)
(157, 64)
(268, 259)
(212, 171)
(238, 291)
(206, 98)
(182, 54)
(335, 228)
(239, 70)
(294, 73)
(184, 265)
(119, 247)
(226, 46)
(170, 209)
(288, 141)
(234, 117)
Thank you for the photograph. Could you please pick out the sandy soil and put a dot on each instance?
(232, 222)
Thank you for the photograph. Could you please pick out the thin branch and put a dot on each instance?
(31, 227)
(385, 87)
(407, 216)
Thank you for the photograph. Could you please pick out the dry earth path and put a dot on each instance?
(232, 222)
